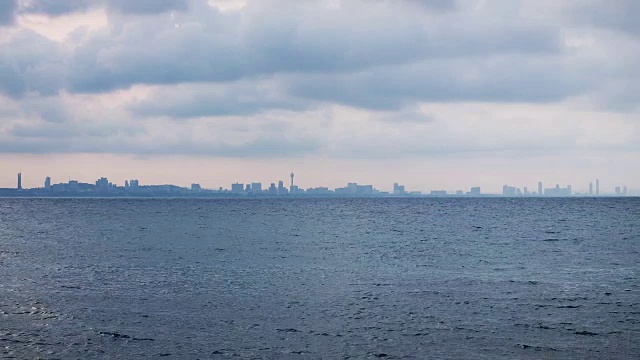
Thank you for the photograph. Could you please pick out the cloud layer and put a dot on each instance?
(344, 79)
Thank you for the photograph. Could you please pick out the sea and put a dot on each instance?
(320, 278)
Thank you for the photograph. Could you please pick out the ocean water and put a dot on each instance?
(420, 278)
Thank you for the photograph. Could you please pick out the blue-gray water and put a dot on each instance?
(320, 278)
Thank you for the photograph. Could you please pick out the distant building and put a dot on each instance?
(196, 187)
(398, 189)
(624, 191)
(291, 188)
(590, 188)
(540, 193)
(319, 191)
(618, 190)
(364, 190)
(102, 184)
(133, 185)
(256, 187)
(475, 191)
(47, 183)
(355, 189)
(459, 192)
(597, 186)
(508, 190)
(439, 192)
(73, 186)
(281, 189)
(19, 181)
(273, 190)
(237, 188)
(558, 191)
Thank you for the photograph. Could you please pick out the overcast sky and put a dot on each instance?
(435, 94)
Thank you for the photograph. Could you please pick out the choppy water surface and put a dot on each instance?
(320, 278)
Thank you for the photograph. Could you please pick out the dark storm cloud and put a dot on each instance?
(8, 11)
(63, 7)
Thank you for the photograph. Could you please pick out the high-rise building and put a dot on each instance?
(540, 188)
(237, 188)
(624, 191)
(398, 189)
(618, 190)
(281, 189)
(19, 181)
(256, 187)
(590, 188)
(102, 184)
(47, 183)
(133, 184)
(597, 186)
(509, 190)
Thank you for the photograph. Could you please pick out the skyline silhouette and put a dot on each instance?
(255, 188)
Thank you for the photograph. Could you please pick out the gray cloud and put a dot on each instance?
(8, 10)
(507, 79)
(69, 138)
(234, 99)
(209, 46)
(63, 7)
(620, 15)
(441, 5)
(56, 7)
(148, 6)
(29, 62)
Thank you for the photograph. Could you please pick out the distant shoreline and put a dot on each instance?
(271, 197)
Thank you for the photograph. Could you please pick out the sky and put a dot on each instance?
(433, 94)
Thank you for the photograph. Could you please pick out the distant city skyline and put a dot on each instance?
(279, 187)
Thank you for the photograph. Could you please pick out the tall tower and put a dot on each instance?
(19, 181)
(539, 188)
(597, 186)
(292, 175)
